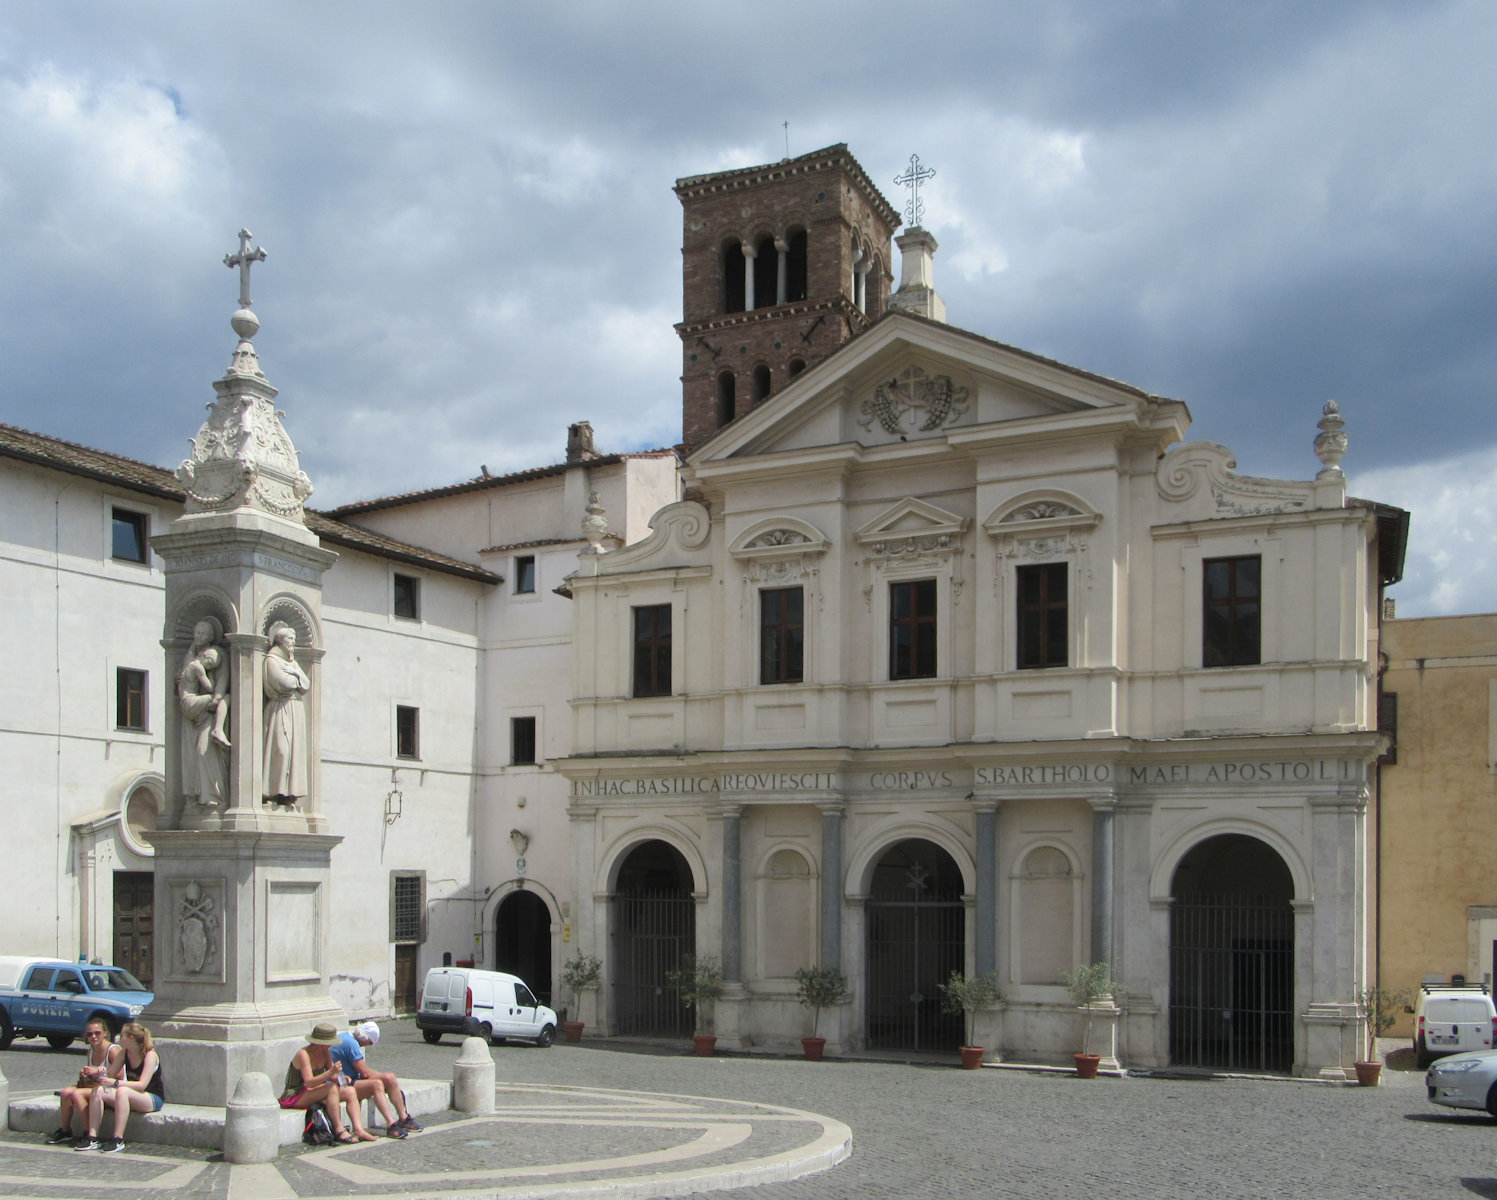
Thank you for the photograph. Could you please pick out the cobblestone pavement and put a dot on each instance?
(918, 1130)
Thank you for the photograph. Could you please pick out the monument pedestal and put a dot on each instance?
(242, 919)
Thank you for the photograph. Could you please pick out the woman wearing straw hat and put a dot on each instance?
(314, 1078)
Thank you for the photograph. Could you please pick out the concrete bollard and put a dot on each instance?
(473, 1077)
(4, 1100)
(252, 1121)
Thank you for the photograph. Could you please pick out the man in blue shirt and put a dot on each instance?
(349, 1055)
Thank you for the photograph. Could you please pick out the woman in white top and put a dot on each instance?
(103, 1058)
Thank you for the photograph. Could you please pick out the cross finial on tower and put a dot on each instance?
(243, 260)
(912, 177)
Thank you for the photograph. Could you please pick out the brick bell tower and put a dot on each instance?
(781, 265)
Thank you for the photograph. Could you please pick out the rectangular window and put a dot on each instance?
(652, 650)
(407, 731)
(781, 635)
(130, 699)
(130, 532)
(525, 573)
(912, 629)
(1044, 621)
(407, 907)
(521, 741)
(408, 597)
(1231, 614)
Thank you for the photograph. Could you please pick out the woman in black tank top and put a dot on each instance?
(135, 1085)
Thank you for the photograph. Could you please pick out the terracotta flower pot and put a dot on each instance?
(813, 1048)
(971, 1057)
(1087, 1064)
(573, 1030)
(704, 1043)
(1368, 1073)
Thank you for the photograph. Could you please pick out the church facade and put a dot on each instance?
(956, 659)
(931, 655)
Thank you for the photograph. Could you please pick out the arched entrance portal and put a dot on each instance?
(654, 924)
(1232, 958)
(916, 924)
(522, 941)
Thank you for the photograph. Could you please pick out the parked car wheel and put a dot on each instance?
(432, 1036)
(548, 1035)
(486, 1032)
(1492, 1100)
(1421, 1055)
(7, 1034)
(59, 1041)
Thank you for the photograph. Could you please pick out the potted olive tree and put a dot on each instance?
(699, 981)
(578, 974)
(818, 988)
(1379, 1008)
(966, 994)
(1087, 985)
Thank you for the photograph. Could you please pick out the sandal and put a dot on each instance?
(347, 1139)
(396, 1131)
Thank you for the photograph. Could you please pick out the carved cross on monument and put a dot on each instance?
(243, 260)
(912, 177)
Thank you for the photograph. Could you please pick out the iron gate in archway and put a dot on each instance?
(916, 937)
(654, 925)
(1232, 983)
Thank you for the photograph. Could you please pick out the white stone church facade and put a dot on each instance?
(950, 658)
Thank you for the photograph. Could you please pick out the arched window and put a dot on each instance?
(797, 365)
(795, 267)
(766, 271)
(732, 275)
(761, 383)
(726, 402)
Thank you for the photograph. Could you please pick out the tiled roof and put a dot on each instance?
(25, 446)
(490, 481)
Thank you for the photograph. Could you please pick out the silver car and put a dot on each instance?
(1466, 1080)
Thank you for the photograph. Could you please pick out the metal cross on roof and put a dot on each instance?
(912, 177)
(243, 260)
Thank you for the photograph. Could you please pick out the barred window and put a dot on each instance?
(407, 907)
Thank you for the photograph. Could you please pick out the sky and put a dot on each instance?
(472, 238)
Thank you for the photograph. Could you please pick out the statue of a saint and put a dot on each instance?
(202, 695)
(286, 686)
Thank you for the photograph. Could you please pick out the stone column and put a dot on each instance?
(781, 288)
(860, 271)
(831, 885)
(732, 935)
(1102, 818)
(987, 887)
(1333, 926)
(749, 255)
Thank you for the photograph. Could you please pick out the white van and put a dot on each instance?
(486, 1004)
(1451, 1019)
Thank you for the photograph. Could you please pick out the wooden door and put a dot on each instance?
(134, 900)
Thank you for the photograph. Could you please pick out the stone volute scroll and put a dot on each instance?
(284, 780)
(203, 700)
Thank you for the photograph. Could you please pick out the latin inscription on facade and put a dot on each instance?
(1309, 772)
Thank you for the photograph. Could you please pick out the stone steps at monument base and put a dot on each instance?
(203, 1128)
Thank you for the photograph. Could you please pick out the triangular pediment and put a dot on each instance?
(912, 518)
(906, 380)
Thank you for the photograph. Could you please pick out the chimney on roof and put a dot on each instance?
(580, 442)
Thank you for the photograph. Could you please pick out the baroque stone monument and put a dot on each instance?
(243, 851)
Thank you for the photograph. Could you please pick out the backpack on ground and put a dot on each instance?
(318, 1131)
